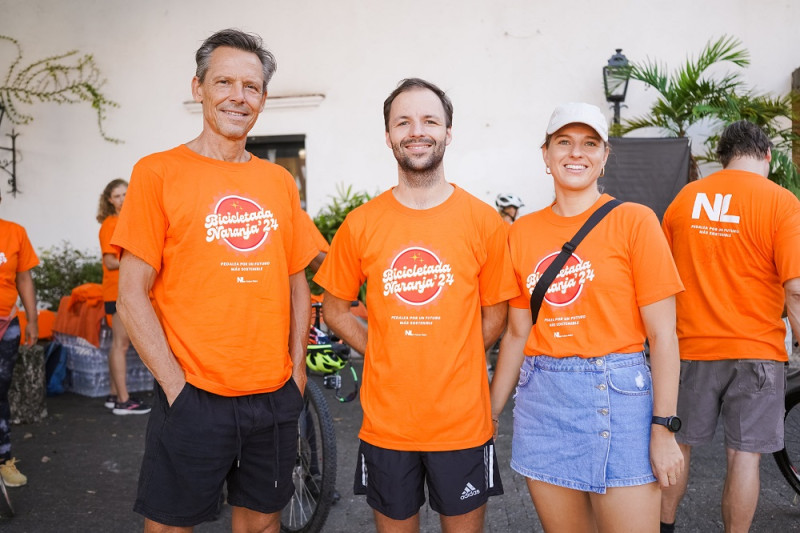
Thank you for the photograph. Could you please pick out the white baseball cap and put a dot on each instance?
(578, 112)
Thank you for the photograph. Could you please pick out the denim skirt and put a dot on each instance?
(582, 423)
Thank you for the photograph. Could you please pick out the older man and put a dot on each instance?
(219, 238)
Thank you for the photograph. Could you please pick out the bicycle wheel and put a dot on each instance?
(6, 510)
(314, 475)
(788, 458)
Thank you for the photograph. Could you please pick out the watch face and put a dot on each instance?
(674, 424)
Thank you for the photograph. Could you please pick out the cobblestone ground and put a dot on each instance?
(82, 465)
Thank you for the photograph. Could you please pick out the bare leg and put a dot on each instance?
(384, 524)
(471, 522)
(561, 510)
(112, 386)
(627, 509)
(249, 521)
(740, 494)
(155, 527)
(671, 497)
(116, 358)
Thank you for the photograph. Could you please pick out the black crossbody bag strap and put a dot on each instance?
(558, 263)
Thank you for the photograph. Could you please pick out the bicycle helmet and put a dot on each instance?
(508, 200)
(327, 358)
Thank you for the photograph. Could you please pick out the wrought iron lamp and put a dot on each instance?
(616, 76)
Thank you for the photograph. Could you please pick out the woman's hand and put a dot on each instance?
(666, 457)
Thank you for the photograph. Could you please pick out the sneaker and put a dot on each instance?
(110, 401)
(11, 476)
(131, 407)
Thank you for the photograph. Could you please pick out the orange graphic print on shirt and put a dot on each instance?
(239, 222)
(416, 276)
(567, 286)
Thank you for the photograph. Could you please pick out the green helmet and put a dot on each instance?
(323, 359)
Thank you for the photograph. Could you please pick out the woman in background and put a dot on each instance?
(107, 214)
(17, 258)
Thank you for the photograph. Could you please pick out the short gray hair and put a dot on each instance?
(248, 42)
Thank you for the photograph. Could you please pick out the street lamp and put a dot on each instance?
(5, 163)
(615, 80)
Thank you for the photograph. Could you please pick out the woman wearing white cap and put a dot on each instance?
(593, 432)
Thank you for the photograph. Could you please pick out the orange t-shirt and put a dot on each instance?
(223, 240)
(592, 307)
(110, 277)
(735, 236)
(16, 255)
(317, 237)
(428, 273)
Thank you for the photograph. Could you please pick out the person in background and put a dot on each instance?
(17, 258)
(585, 435)
(119, 401)
(508, 206)
(735, 236)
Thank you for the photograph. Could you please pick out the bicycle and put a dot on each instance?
(788, 459)
(6, 509)
(314, 474)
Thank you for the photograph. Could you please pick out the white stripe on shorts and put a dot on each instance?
(363, 471)
(491, 466)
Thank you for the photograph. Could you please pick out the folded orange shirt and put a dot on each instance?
(81, 314)
(46, 320)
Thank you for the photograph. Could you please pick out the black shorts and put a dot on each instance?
(459, 481)
(205, 439)
(111, 307)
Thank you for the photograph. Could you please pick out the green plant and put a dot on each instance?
(697, 92)
(331, 217)
(61, 269)
(768, 113)
(67, 78)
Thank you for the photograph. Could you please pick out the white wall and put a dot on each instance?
(505, 65)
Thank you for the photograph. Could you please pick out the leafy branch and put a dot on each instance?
(695, 93)
(688, 87)
(68, 78)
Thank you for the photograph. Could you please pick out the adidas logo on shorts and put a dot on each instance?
(469, 491)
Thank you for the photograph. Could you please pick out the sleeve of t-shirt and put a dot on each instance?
(320, 243)
(523, 298)
(787, 241)
(106, 231)
(655, 275)
(302, 246)
(142, 225)
(340, 273)
(27, 255)
(496, 280)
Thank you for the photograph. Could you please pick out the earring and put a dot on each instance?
(602, 172)
(547, 170)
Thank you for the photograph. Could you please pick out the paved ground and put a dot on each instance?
(82, 464)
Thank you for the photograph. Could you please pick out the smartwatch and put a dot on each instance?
(672, 423)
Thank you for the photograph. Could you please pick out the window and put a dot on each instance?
(288, 151)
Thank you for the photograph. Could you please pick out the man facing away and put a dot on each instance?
(219, 238)
(438, 276)
(735, 237)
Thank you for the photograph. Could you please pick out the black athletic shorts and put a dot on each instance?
(459, 481)
(205, 439)
(111, 307)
